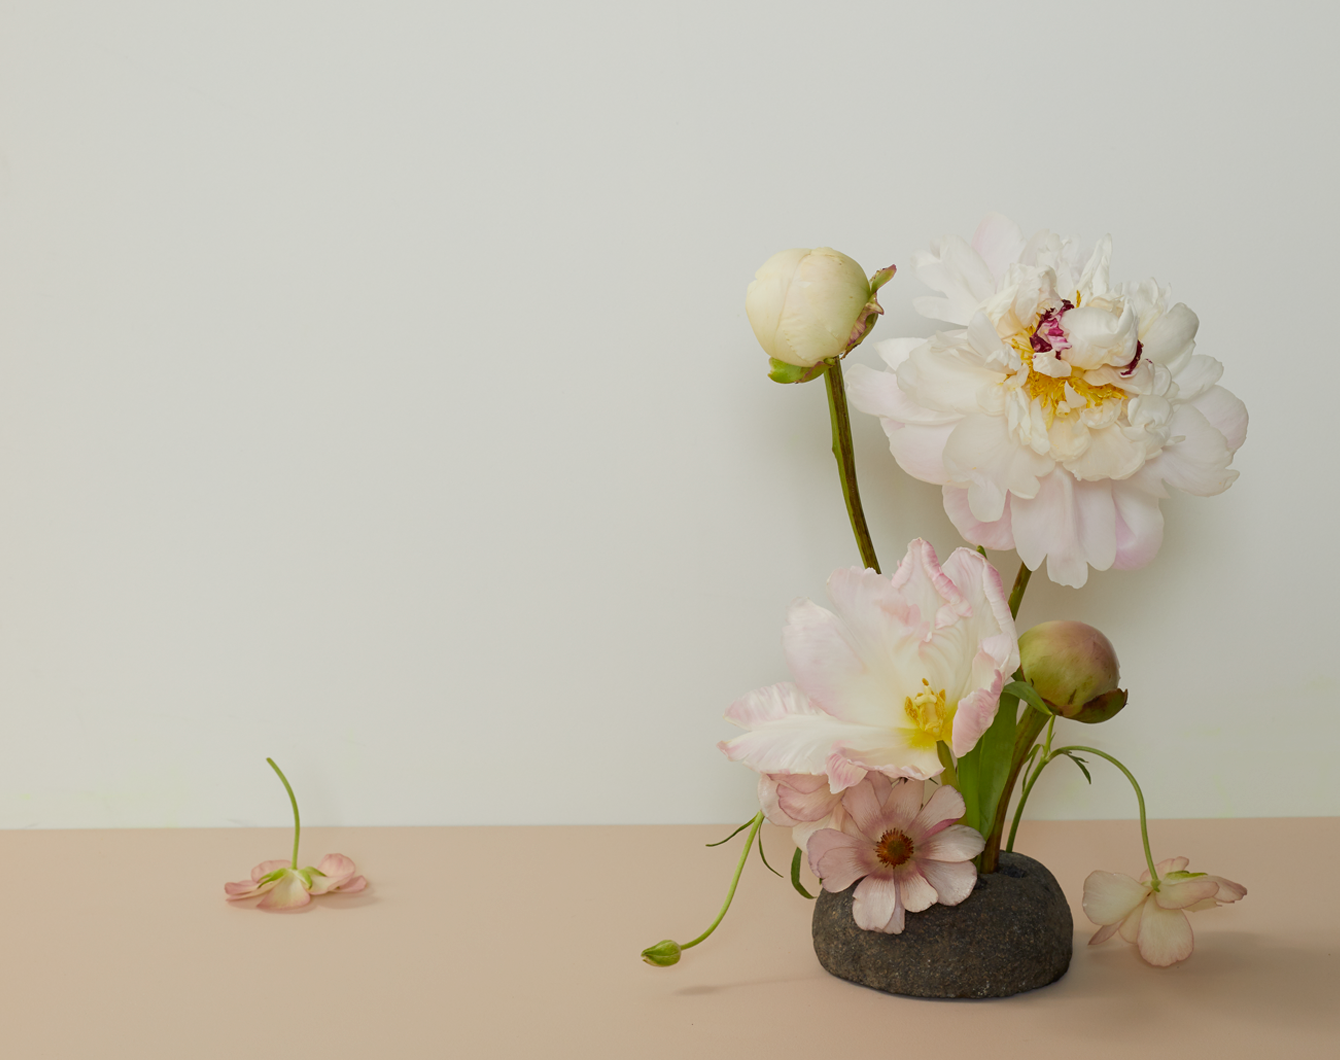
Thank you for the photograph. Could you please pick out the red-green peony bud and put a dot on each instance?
(1072, 665)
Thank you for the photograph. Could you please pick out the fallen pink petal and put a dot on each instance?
(283, 888)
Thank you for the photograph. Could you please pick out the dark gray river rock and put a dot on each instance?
(1013, 933)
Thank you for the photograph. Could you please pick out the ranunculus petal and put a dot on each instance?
(1103, 934)
(914, 890)
(1110, 897)
(876, 905)
(289, 893)
(838, 859)
(1178, 894)
(1165, 935)
(943, 808)
(958, 842)
(953, 881)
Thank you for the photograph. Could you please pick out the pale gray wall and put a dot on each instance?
(376, 393)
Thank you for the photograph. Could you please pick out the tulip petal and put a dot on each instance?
(1165, 935)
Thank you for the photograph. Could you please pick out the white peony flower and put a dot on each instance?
(902, 664)
(1058, 414)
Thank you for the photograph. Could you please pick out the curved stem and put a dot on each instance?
(1017, 593)
(1139, 798)
(744, 856)
(846, 461)
(1030, 726)
(297, 824)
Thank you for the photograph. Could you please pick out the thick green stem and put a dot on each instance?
(297, 824)
(1139, 798)
(1017, 593)
(730, 895)
(1030, 726)
(846, 461)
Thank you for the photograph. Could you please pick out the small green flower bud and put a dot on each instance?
(663, 954)
(1070, 664)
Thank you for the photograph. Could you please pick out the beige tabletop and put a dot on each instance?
(523, 942)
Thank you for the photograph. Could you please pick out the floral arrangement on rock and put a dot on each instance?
(1055, 415)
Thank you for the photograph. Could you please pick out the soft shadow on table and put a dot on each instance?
(336, 902)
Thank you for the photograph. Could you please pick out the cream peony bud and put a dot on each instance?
(1071, 664)
(806, 306)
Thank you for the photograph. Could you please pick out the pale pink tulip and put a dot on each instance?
(907, 856)
(285, 888)
(1155, 920)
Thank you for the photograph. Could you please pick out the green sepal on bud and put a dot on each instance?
(781, 372)
(663, 954)
(1074, 669)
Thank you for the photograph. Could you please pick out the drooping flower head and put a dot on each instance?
(1058, 415)
(286, 887)
(899, 665)
(907, 856)
(1155, 920)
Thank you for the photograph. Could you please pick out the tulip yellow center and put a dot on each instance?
(894, 848)
(931, 715)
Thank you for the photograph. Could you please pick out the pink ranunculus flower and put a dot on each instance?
(286, 888)
(802, 802)
(1155, 920)
(1058, 414)
(907, 856)
(899, 665)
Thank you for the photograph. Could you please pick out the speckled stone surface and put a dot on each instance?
(1013, 933)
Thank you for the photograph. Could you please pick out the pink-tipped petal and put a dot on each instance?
(267, 867)
(1130, 926)
(337, 866)
(943, 808)
(1103, 934)
(914, 890)
(1165, 935)
(1178, 894)
(358, 883)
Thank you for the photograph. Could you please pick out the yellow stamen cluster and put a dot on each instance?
(931, 714)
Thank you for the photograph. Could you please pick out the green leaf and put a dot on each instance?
(795, 876)
(733, 834)
(764, 857)
(995, 750)
(1023, 690)
(1082, 768)
(969, 770)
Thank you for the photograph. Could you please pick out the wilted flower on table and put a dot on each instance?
(1155, 920)
(287, 888)
(1059, 414)
(907, 856)
(901, 664)
(806, 306)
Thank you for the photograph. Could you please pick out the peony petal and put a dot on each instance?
(999, 242)
(879, 394)
(1071, 524)
(953, 881)
(1170, 339)
(998, 535)
(877, 906)
(920, 450)
(1139, 525)
(958, 842)
(1165, 935)
(1225, 413)
(958, 272)
(839, 860)
(1110, 897)
(1197, 462)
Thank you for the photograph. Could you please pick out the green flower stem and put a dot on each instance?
(1030, 726)
(1139, 798)
(730, 895)
(846, 460)
(1017, 593)
(297, 824)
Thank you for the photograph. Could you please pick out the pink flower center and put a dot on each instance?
(893, 848)
(1049, 335)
